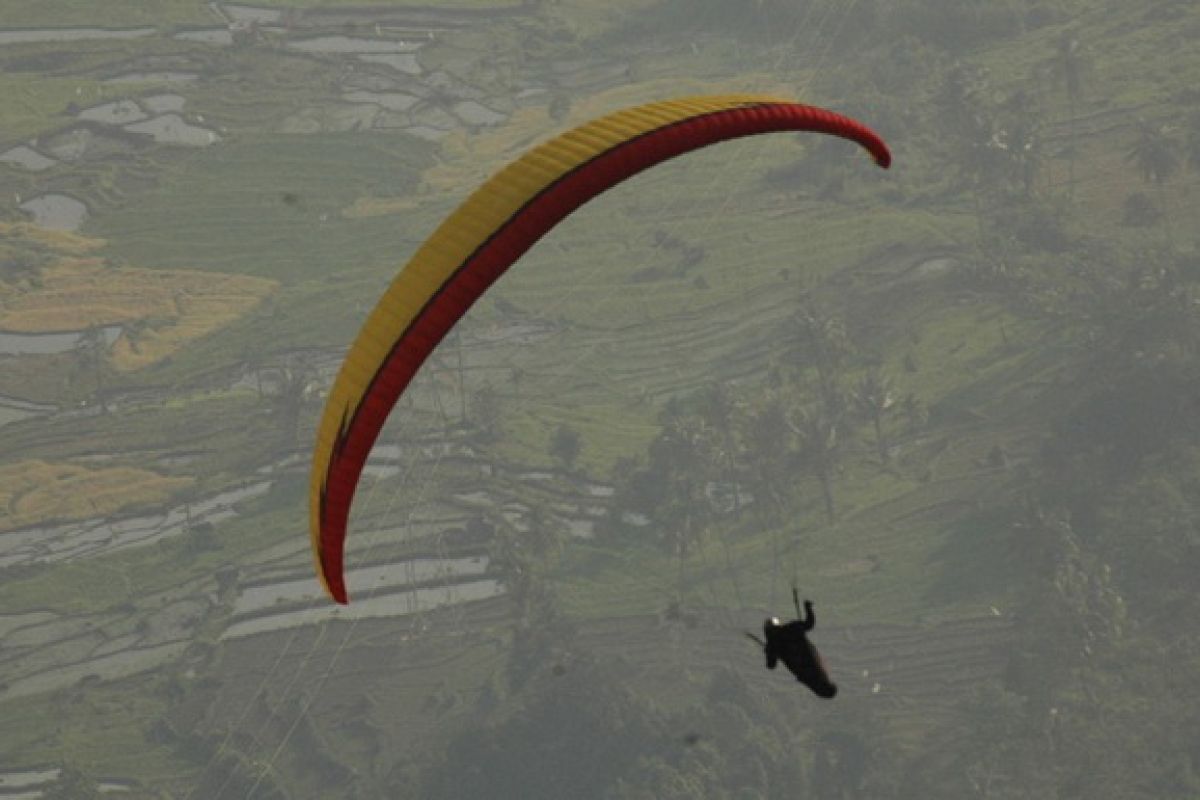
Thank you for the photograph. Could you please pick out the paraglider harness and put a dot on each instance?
(789, 643)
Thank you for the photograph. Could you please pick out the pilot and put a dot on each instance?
(789, 643)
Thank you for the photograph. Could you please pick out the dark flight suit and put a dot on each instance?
(789, 643)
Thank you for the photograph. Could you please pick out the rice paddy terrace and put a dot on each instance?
(200, 206)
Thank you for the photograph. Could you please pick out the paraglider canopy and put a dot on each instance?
(479, 241)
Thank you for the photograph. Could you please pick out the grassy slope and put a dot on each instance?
(127, 13)
(123, 13)
(35, 102)
(255, 206)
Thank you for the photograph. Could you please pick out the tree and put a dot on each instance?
(516, 377)
(823, 343)
(1002, 754)
(1139, 211)
(681, 455)
(19, 265)
(718, 410)
(566, 445)
(819, 434)
(765, 438)
(1155, 153)
(1068, 67)
(520, 561)
(1018, 149)
(839, 766)
(873, 396)
(1192, 145)
(1156, 156)
(581, 731)
(1021, 141)
(290, 397)
(984, 163)
(72, 784)
(959, 102)
(486, 412)
(91, 351)
(461, 367)
(546, 533)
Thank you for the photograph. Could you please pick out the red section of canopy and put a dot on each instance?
(505, 246)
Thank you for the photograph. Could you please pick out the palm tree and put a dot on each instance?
(546, 533)
(290, 398)
(680, 457)
(1021, 139)
(682, 453)
(1156, 156)
(1156, 153)
(566, 445)
(516, 376)
(764, 434)
(718, 409)
(958, 99)
(1068, 65)
(820, 450)
(91, 349)
(516, 568)
(486, 412)
(823, 342)
(251, 363)
(985, 163)
(874, 397)
(1192, 146)
(462, 376)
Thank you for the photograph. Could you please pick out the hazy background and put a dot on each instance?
(956, 403)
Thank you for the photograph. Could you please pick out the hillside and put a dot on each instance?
(946, 400)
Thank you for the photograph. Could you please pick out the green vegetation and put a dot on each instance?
(268, 204)
(122, 13)
(35, 102)
(953, 402)
(449, 4)
(128, 13)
